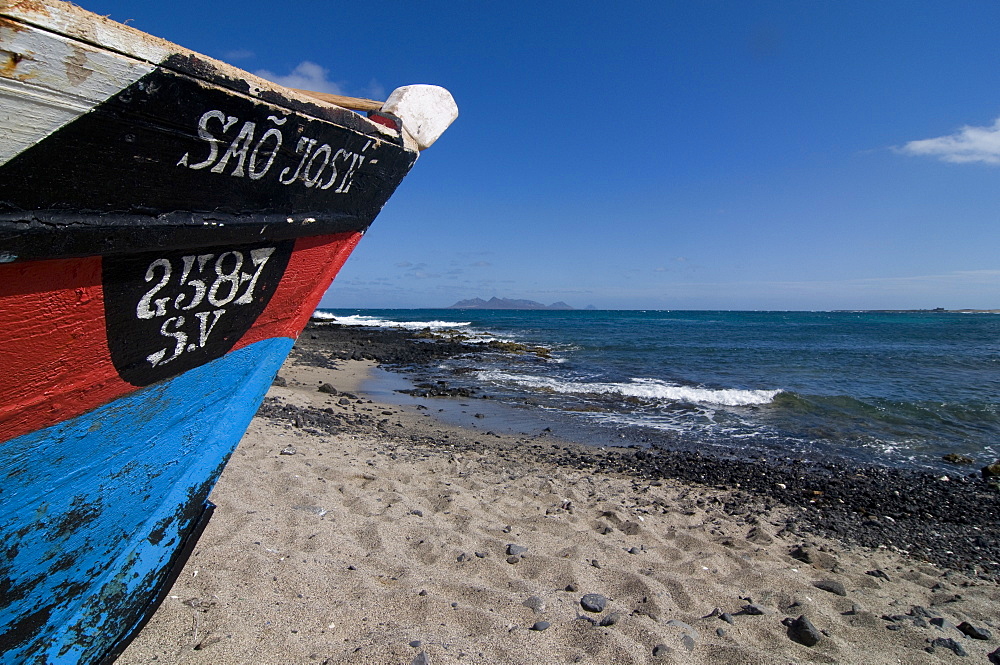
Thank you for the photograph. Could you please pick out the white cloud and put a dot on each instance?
(238, 54)
(305, 76)
(968, 144)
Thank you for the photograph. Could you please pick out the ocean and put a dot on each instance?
(899, 389)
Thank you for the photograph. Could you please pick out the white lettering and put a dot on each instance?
(257, 157)
(257, 174)
(204, 327)
(142, 310)
(311, 180)
(238, 148)
(185, 287)
(205, 135)
(305, 146)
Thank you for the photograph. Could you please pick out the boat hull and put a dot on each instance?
(167, 226)
(103, 479)
(97, 525)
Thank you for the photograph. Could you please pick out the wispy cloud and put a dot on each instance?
(306, 76)
(968, 144)
(238, 54)
(374, 90)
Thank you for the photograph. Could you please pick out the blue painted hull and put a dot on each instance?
(94, 509)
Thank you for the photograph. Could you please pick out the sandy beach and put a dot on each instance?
(352, 531)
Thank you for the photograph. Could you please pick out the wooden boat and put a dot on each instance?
(168, 224)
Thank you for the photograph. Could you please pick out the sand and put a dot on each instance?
(393, 543)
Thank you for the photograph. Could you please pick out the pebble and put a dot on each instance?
(328, 389)
(727, 617)
(689, 630)
(802, 631)
(974, 632)
(721, 632)
(415, 643)
(994, 657)
(833, 586)
(513, 559)
(593, 602)
(535, 603)
(946, 643)
(855, 610)
(288, 451)
(661, 650)
(938, 622)
(540, 625)
(421, 659)
(754, 610)
(516, 550)
(611, 619)
(991, 470)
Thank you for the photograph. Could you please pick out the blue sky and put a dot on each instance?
(685, 154)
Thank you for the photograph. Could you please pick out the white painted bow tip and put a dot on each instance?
(426, 111)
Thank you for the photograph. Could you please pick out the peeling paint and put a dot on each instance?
(76, 66)
(8, 63)
(28, 6)
(115, 542)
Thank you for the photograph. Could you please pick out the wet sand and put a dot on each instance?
(349, 531)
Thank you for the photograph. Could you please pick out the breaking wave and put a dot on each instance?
(648, 389)
(375, 322)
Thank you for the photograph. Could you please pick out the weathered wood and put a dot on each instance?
(353, 103)
(167, 225)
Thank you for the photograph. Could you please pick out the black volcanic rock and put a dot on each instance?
(802, 630)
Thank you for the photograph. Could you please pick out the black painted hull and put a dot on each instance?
(167, 226)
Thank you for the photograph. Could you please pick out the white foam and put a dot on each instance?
(374, 322)
(650, 389)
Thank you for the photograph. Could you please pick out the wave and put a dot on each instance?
(375, 322)
(650, 389)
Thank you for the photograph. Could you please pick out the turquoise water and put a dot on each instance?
(895, 388)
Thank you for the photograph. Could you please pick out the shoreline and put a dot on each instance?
(349, 529)
(953, 523)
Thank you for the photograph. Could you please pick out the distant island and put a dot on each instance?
(506, 303)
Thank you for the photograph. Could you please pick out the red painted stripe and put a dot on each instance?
(53, 347)
(314, 263)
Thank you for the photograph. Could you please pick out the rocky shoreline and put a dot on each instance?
(950, 520)
(352, 529)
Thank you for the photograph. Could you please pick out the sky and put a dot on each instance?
(679, 154)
